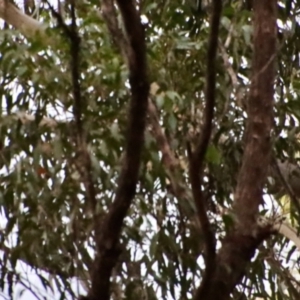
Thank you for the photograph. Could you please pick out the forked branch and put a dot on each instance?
(240, 243)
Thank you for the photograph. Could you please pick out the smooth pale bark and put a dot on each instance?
(22, 22)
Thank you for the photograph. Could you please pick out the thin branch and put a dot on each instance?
(178, 186)
(196, 159)
(234, 81)
(67, 31)
(83, 162)
(286, 185)
(110, 16)
(75, 71)
(229, 36)
(228, 66)
(168, 158)
(284, 274)
(108, 249)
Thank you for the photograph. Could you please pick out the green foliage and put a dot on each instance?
(48, 223)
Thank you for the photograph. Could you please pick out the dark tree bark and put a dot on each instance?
(108, 232)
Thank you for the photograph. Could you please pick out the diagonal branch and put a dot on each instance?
(108, 239)
(110, 16)
(196, 158)
(168, 158)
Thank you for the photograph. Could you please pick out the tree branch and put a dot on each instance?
(110, 16)
(168, 157)
(240, 243)
(15, 17)
(257, 153)
(83, 161)
(107, 241)
(196, 159)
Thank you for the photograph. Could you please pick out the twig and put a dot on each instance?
(196, 158)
